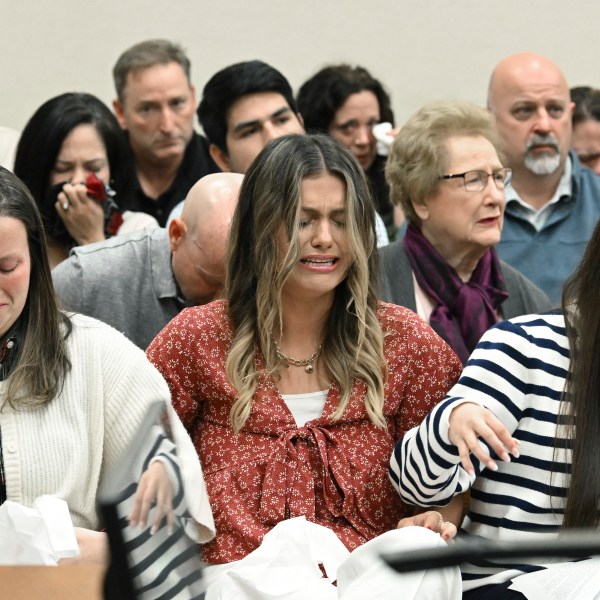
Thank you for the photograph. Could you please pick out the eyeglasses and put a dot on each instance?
(475, 181)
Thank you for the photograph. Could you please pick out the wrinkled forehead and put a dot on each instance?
(159, 79)
(529, 82)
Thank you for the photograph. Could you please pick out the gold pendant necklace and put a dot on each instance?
(307, 363)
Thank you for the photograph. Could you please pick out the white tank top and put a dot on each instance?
(305, 407)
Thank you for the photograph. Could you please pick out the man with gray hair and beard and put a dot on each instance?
(553, 203)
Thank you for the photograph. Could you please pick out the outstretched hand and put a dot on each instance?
(154, 488)
(468, 422)
(433, 520)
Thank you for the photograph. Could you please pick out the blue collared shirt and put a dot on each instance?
(547, 245)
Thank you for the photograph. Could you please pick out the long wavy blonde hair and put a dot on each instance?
(270, 196)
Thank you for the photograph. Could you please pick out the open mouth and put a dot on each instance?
(320, 262)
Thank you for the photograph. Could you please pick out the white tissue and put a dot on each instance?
(384, 141)
(41, 535)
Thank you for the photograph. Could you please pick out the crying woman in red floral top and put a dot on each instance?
(296, 387)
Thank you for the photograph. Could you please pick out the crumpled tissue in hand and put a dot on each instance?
(41, 535)
(384, 140)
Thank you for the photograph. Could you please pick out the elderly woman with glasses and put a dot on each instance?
(445, 171)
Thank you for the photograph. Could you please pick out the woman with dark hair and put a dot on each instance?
(531, 389)
(72, 156)
(445, 171)
(73, 391)
(301, 370)
(347, 102)
(585, 139)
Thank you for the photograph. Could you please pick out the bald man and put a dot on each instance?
(138, 282)
(553, 203)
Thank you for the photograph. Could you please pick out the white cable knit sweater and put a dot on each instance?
(65, 447)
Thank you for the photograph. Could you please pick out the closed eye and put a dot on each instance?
(8, 267)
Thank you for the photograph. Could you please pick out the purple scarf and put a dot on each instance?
(464, 311)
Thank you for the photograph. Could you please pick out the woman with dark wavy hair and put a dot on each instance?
(73, 158)
(73, 391)
(296, 386)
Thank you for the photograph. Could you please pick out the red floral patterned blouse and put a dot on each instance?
(332, 472)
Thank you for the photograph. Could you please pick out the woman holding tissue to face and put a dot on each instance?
(73, 391)
(74, 159)
(531, 394)
(296, 387)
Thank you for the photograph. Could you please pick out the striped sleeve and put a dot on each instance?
(518, 372)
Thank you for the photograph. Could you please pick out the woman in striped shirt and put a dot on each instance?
(520, 393)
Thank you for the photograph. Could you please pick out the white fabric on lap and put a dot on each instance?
(286, 567)
(364, 575)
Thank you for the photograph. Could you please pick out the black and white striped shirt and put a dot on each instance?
(518, 372)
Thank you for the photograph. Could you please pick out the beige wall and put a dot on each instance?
(424, 50)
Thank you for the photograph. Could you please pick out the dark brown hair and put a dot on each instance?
(581, 399)
(42, 361)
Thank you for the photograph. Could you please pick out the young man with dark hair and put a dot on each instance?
(243, 107)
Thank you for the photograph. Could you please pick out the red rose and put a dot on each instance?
(95, 188)
(116, 220)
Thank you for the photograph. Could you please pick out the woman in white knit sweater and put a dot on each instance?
(73, 391)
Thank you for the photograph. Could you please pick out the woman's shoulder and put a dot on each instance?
(410, 340)
(194, 334)
(530, 348)
(537, 328)
(401, 326)
(399, 319)
(213, 314)
(208, 321)
(82, 323)
(90, 331)
(96, 346)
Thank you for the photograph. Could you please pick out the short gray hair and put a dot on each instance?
(418, 155)
(147, 54)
